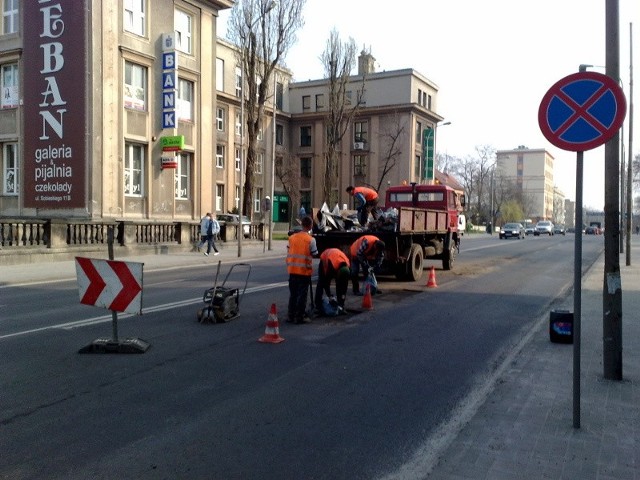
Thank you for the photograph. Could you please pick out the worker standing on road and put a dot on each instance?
(367, 252)
(334, 264)
(300, 253)
(366, 201)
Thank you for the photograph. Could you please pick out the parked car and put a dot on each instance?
(559, 229)
(591, 231)
(232, 219)
(529, 229)
(512, 230)
(544, 226)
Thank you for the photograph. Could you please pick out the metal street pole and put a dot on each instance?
(612, 284)
(630, 149)
(273, 155)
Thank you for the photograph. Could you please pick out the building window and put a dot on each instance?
(260, 135)
(306, 102)
(347, 97)
(305, 136)
(134, 14)
(319, 101)
(183, 24)
(237, 198)
(219, 74)
(279, 95)
(418, 132)
(219, 156)
(429, 102)
(305, 167)
(182, 176)
(238, 159)
(360, 132)
(185, 100)
(257, 199)
(238, 82)
(10, 19)
(135, 86)
(219, 198)
(238, 124)
(10, 86)
(279, 135)
(133, 169)
(359, 165)
(259, 163)
(419, 97)
(220, 119)
(417, 168)
(10, 171)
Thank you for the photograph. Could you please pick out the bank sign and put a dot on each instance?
(55, 120)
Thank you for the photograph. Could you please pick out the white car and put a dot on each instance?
(232, 219)
(543, 226)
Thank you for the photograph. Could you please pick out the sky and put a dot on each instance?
(493, 61)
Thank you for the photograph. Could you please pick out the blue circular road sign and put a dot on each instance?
(582, 111)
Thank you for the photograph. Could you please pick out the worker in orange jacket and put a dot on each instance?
(334, 264)
(300, 253)
(367, 252)
(366, 200)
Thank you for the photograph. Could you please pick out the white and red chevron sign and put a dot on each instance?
(110, 284)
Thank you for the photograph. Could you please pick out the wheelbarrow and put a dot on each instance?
(222, 302)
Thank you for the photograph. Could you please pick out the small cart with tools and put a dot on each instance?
(222, 302)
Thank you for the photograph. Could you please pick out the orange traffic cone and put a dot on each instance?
(272, 329)
(367, 302)
(431, 282)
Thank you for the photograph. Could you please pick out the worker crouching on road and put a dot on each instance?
(366, 201)
(367, 252)
(300, 253)
(334, 264)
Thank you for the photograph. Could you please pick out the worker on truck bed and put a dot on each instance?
(300, 252)
(334, 264)
(366, 201)
(367, 252)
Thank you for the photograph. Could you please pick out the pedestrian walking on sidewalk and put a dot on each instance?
(300, 253)
(209, 228)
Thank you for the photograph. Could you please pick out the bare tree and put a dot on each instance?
(391, 141)
(264, 30)
(475, 175)
(338, 59)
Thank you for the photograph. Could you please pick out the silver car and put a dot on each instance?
(232, 218)
(544, 226)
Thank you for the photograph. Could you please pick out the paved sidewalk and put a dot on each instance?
(34, 272)
(524, 429)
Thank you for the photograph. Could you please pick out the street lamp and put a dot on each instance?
(435, 140)
(240, 230)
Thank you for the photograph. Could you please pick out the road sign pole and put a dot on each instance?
(577, 290)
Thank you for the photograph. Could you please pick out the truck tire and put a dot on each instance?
(415, 263)
(449, 256)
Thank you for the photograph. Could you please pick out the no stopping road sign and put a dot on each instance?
(582, 111)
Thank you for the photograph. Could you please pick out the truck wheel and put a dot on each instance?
(415, 263)
(448, 258)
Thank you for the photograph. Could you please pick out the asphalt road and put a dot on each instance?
(351, 398)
